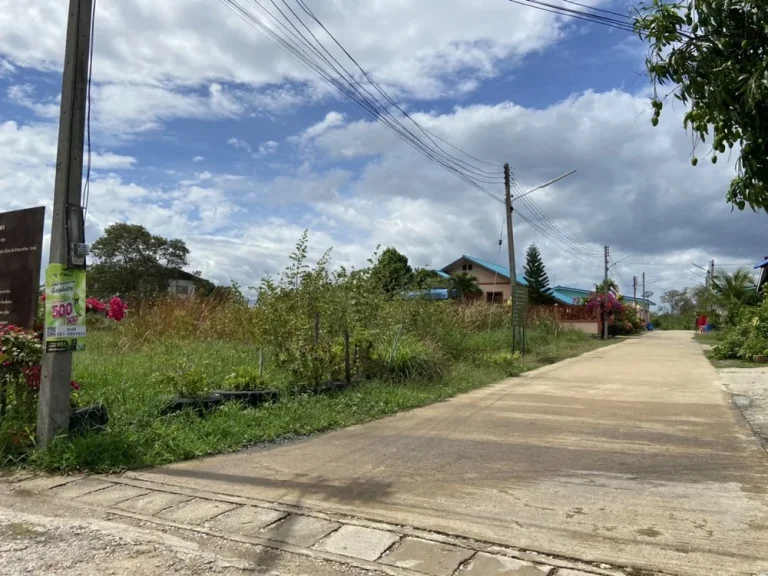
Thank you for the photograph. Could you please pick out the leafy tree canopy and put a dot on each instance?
(131, 261)
(679, 302)
(392, 271)
(539, 291)
(714, 54)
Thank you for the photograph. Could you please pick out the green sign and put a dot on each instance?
(64, 309)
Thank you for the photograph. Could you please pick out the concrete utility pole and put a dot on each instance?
(634, 288)
(644, 297)
(53, 409)
(605, 301)
(712, 271)
(510, 239)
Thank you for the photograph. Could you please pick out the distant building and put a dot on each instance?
(184, 284)
(763, 280)
(492, 278)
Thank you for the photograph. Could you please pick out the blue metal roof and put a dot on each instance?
(762, 264)
(431, 294)
(442, 274)
(500, 270)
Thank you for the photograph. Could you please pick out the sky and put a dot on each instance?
(202, 129)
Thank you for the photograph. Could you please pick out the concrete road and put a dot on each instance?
(632, 455)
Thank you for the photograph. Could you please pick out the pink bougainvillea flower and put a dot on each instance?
(117, 309)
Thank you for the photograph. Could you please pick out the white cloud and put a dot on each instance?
(331, 120)
(197, 159)
(238, 144)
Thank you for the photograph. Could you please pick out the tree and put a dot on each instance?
(539, 291)
(678, 302)
(130, 261)
(715, 55)
(462, 285)
(610, 283)
(391, 271)
(425, 279)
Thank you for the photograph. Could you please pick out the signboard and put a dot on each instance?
(21, 247)
(64, 309)
(520, 313)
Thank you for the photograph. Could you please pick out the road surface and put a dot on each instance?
(632, 455)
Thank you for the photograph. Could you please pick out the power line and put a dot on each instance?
(553, 228)
(544, 232)
(314, 55)
(87, 186)
(576, 14)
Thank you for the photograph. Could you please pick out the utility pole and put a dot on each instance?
(634, 288)
(510, 243)
(53, 408)
(644, 298)
(712, 271)
(605, 300)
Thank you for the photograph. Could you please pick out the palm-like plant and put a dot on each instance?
(463, 285)
(733, 288)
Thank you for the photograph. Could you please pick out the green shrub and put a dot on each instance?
(405, 357)
(747, 337)
(246, 378)
(186, 381)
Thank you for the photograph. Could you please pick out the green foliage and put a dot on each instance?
(132, 262)
(406, 357)
(715, 55)
(679, 303)
(539, 291)
(747, 337)
(667, 321)
(391, 271)
(463, 285)
(186, 381)
(246, 378)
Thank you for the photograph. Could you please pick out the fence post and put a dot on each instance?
(261, 363)
(347, 372)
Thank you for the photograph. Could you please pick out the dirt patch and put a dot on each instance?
(749, 391)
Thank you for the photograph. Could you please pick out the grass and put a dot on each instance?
(138, 436)
(707, 337)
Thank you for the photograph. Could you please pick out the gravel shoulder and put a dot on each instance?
(749, 389)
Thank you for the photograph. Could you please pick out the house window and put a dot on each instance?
(466, 267)
(495, 297)
(182, 290)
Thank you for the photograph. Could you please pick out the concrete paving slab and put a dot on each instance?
(42, 483)
(196, 511)
(79, 488)
(359, 542)
(567, 572)
(428, 557)
(152, 503)
(247, 520)
(300, 530)
(113, 495)
(493, 565)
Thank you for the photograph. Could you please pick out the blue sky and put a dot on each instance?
(203, 130)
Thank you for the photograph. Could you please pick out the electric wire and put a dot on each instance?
(575, 14)
(334, 74)
(87, 185)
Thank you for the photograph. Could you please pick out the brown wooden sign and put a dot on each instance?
(21, 248)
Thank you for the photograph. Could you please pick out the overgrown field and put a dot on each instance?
(402, 353)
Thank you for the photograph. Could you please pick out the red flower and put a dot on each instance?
(74, 385)
(117, 309)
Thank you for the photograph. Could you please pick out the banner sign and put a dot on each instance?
(64, 309)
(21, 247)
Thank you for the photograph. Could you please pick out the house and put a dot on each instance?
(493, 279)
(763, 280)
(184, 284)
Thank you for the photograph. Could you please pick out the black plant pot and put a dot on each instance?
(199, 405)
(89, 419)
(252, 398)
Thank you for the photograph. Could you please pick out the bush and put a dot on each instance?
(185, 381)
(405, 357)
(747, 337)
